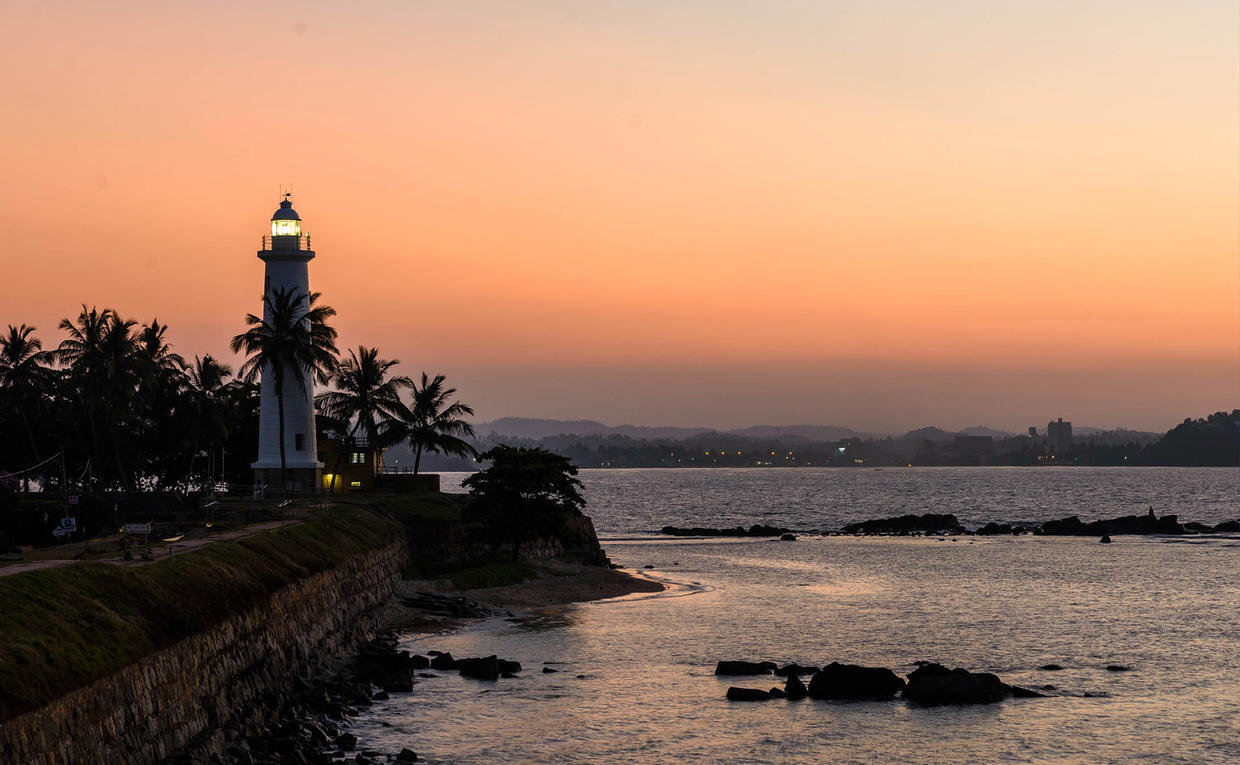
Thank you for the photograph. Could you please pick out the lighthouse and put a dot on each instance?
(287, 255)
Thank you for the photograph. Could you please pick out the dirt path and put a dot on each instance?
(160, 552)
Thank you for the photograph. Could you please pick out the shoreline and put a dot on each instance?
(556, 584)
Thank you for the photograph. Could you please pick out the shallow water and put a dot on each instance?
(1169, 609)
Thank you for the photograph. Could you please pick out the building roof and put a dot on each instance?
(286, 211)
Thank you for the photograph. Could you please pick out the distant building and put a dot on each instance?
(1058, 436)
(1033, 431)
(359, 464)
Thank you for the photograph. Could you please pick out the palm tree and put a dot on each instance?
(99, 354)
(206, 382)
(24, 376)
(293, 338)
(434, 424)
(365, 396)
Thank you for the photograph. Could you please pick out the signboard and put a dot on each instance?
(67, 526)
(137, 528)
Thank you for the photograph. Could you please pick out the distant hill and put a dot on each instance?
(982, 430)
(928, 434)
(527, 427)
(808, 432)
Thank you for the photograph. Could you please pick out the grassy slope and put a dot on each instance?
(61, 629)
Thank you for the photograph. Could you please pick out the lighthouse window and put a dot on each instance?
(359, 458)
(299, 442)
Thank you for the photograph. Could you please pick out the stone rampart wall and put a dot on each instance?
(202, 687)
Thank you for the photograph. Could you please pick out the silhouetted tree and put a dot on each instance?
(293, 339)
(23, 377)
(366, 397)
(434, 423)
(524, 493)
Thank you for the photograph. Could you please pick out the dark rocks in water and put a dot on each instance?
(1024, 693)
(794, 688)
(446, 605)
(756, 530)
(509, 666)
(1098, 695)
(1128, 524)
(1118, 668)
(1050, 667)
(407, 755)
(398, 682)
(995, 529)
(421, 662)
(346, 742)
(747, 694)
(778, 693)
(787, 537)
(904, 524)
(381, 696)
(934, 684)
(744, 668)
(549, 670)
(648, 566)
(795, 669)
(1106, 539)
(1198, 528)
(1228, 526)
(508, 675)
(442, 660)
(485, 668)
(1047, 687)
(850, 681)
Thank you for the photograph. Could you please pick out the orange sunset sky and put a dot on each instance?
(876, 214)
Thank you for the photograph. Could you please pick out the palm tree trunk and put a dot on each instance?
(417, 460)
(283, 459)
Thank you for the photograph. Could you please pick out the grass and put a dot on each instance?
(496, 574)
(64, 628)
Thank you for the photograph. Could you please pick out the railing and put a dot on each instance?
(286, 242)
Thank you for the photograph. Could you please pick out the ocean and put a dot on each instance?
(635, 679)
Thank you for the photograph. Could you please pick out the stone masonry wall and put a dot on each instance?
(189, 692)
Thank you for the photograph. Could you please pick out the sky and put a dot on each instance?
(875, 214)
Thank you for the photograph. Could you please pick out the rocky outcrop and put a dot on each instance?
(934, 685)
(855, 683)
(1128, 524)
(756, 530)
(907, 524)
(744, 668)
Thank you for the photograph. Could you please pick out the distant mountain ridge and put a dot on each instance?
(528, 427)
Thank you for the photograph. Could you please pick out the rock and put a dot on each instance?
(794, 688)
(486, 668)
(1106, 539)
(1198, 528)
(850, 681)
(756, 530)
(778, 693)
(508, 675)
(407, 755)
(509, 666)
(648, 565)
(928, 522)
(549, 670)
(1051, 667)
(1228, 526)
(1024, 693)
(398, 682)
(934, 684)
(993, 528)
(346, 742)
(421, 662)
(1118, 668)
(747, 694)
(1047, 687)
(442, 660)
(744, 668)
(795, 669)
(382, 696)
(788, 537)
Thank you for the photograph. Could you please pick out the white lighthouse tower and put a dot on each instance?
(287, 254)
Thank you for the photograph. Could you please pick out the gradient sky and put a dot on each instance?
(875, 214)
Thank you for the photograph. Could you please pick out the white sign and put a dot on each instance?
(137, 528)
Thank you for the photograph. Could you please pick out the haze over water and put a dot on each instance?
(1166, 608)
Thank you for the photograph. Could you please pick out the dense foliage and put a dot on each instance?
(524, 493)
